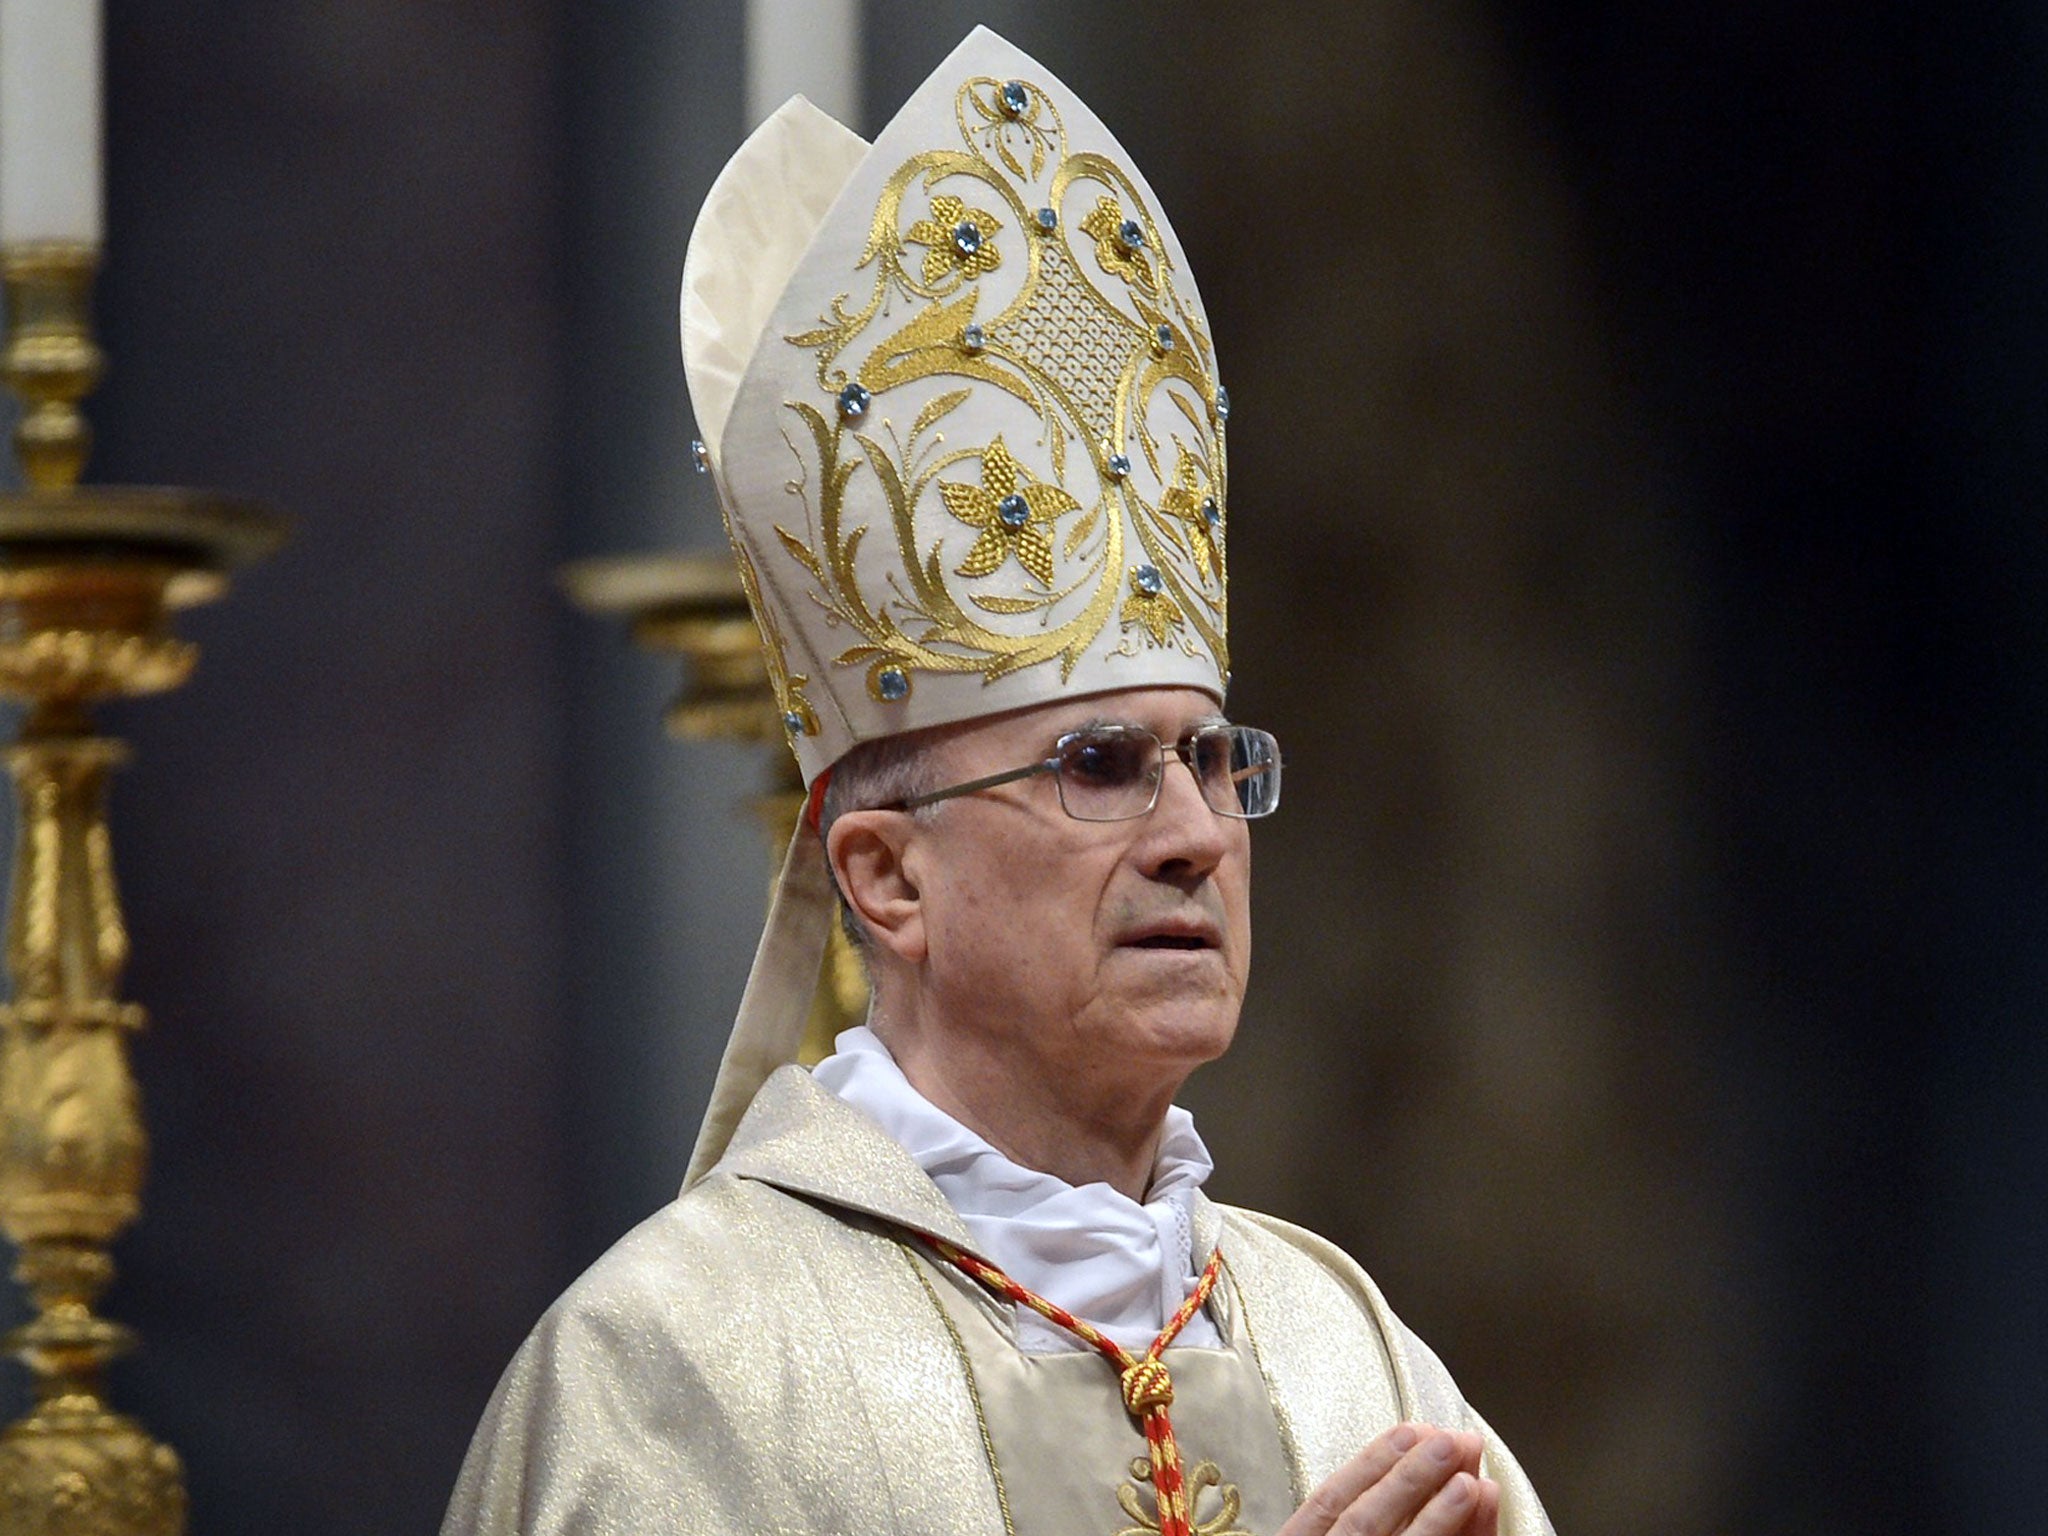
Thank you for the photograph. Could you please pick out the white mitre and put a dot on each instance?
(957, 394)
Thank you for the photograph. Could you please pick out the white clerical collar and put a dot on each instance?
(1123, 1266)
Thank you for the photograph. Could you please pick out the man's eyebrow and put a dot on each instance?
(1104, 722)
(1095, 723)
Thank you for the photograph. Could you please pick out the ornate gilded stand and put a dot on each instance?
(89, 579)
(693, 606)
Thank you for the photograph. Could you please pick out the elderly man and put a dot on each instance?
(963, 417)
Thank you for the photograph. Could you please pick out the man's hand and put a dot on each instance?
(1415, 1480)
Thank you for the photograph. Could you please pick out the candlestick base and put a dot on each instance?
(90, 580)
(74, 1467)
(71, 1468)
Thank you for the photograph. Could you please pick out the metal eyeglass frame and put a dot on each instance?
(1182, 749)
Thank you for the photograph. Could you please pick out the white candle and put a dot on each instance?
(49, 121)
(804, 48)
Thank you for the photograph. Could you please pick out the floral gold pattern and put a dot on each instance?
(1013, 512)
(932, 331)
(1036, 128)
(1188, 500)
(1106, 224)
(1150, 607)
(1202, 1476)
(958, 240)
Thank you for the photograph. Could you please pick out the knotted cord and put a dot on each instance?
(1147, 1386)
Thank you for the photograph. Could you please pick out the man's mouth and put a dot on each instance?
(1176, 933)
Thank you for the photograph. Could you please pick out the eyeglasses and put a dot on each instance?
(1112, 772)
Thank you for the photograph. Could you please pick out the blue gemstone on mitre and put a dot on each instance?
(1162, 338)
(967, 237)
(793, 723)
(972, 339)
(1148, 580)
(891, 684)
(1131, 235)
(854, 401)
(1014, 510)
(1211, 513)
(1222, 403)
(1015, 97)
(700, 456)
(1048, 219)
(1119, 465)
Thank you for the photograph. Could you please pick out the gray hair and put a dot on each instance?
(875, 773)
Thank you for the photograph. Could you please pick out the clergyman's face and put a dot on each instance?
(1097, 949)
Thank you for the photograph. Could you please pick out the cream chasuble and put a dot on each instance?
(770, 1354)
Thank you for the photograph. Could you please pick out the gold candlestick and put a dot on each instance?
(89, 580)
(693, 606)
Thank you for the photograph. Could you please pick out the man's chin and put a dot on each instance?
(1191, 977)
(1187, 1033)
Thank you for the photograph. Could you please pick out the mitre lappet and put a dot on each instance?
(957, 394)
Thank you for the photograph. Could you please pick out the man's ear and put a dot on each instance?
(868, 850)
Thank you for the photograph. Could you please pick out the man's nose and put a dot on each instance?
(1184, 831)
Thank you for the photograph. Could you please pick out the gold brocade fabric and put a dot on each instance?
(767, 1354)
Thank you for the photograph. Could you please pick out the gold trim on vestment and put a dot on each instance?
(1280, 1416)
(988, 1444)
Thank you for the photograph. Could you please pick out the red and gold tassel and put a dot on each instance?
(1147, 1386)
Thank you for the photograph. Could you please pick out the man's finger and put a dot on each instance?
(1391, 1502)
(1341, 1490)
(1451, 1510)
(1485, 1520)
(1431, 1480)
(1464, 1506)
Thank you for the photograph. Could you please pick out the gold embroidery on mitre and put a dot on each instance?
(1151, 606)
(1012, 512)
(1079, 342)
(959, 239)
(950, 597)
(789, 686)
(999, 125)
(1188, 501)
(1125, 259)
(1201, 1478)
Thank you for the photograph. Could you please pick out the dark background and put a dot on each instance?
(1638, 541)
